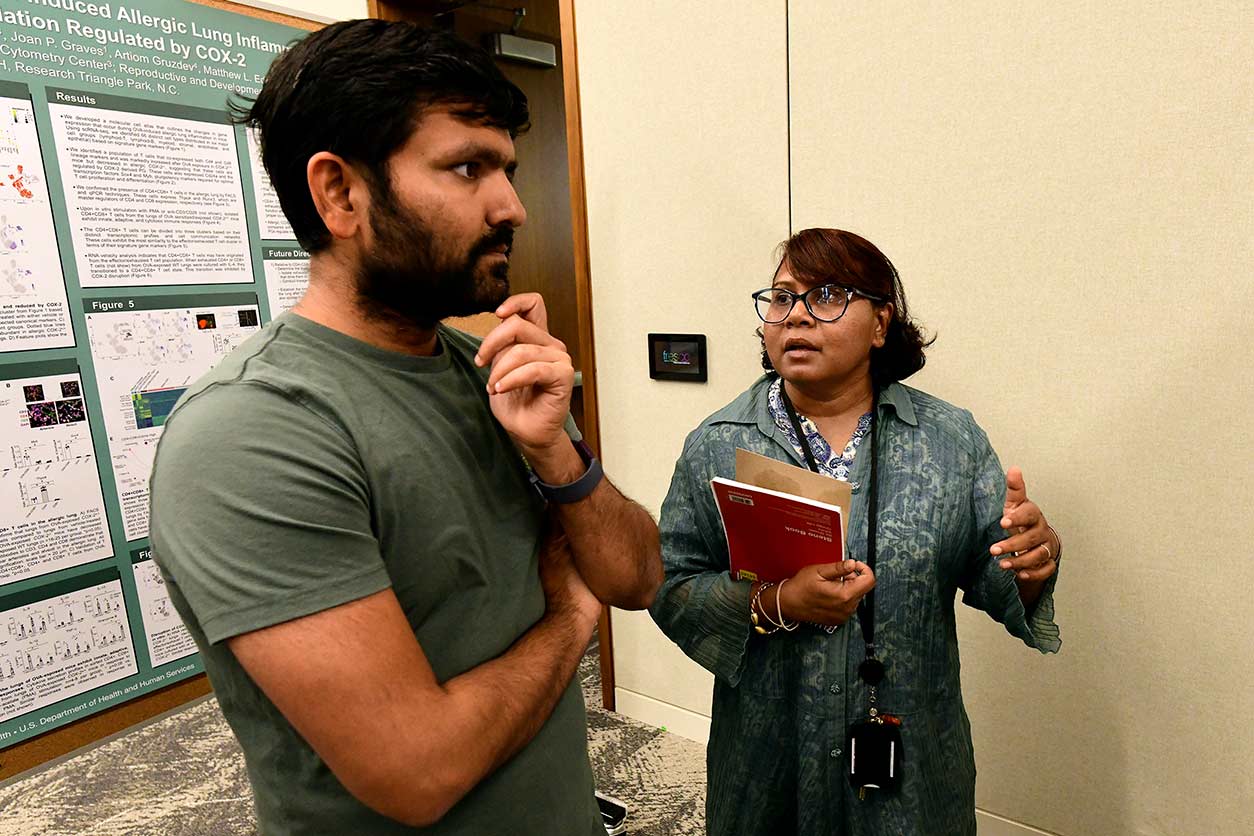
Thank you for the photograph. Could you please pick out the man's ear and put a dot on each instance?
(339, 194)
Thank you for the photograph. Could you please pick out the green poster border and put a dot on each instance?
(290, 252)
(126, 104)
(63, 586)
(39, 368)
(95, 305)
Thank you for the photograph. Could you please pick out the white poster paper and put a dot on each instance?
(145, 359)
(152, 200)
(60, 646)
(167, 638)
(33, 308)
(52, 513)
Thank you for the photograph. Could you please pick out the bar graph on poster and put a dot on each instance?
(69, 641)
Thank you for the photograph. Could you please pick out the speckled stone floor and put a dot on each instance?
(183, 775)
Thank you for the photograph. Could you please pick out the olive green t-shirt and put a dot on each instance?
(309, 469)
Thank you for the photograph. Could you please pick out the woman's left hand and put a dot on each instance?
(1032, 549)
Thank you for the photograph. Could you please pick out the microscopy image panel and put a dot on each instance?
(42, 414)
(71, 411)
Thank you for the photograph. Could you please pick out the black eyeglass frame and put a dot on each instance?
(850, 292)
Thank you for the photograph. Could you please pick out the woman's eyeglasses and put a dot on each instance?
(826, 303)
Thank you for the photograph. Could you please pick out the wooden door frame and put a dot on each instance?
(583, 293)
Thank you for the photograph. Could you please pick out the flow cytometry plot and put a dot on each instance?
(12, 236)
(34, 392)
(19, 279)
(41, 414)
(71, 411)
(71, 389)
(154, 406)
(161, 609)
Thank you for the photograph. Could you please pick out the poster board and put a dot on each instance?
(138, 245)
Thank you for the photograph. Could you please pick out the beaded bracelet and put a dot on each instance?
(755, 605)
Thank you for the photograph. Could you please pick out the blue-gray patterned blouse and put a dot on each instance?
(782, 703)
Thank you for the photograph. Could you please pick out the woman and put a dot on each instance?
(837, 339)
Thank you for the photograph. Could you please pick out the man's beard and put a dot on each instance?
(406, 279)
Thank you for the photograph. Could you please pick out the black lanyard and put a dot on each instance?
(871, 670)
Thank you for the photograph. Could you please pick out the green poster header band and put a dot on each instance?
(277, 253)
(140, 555)
(56, 590)
(43, 368)
(103, 101)
(14, 90)
(115, 304)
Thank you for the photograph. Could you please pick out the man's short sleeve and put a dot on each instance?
(260, 511)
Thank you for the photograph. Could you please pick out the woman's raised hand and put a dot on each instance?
(1032, 549)
(826, 593)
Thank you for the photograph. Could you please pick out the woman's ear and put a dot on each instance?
(883, 320)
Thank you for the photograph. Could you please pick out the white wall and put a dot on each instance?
(685, 143)
(324, 11)
(1066, 191)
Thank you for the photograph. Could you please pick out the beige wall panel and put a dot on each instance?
(685, 147)
(1066, 191)
(326, 11)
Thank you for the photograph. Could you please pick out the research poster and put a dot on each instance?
(147, 351)
(166, 637)
(34, 312)
(52, 513)
(287, 277)
(140, 243)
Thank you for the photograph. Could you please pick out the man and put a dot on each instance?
(341, 509)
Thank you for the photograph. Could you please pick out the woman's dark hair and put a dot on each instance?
(359, 89)
(821, 256)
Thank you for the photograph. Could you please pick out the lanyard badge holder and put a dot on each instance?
(874, 744)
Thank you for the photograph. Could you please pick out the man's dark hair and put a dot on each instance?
(359, 89)
(821, 256)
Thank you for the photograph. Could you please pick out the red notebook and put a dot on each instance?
(772, 535)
